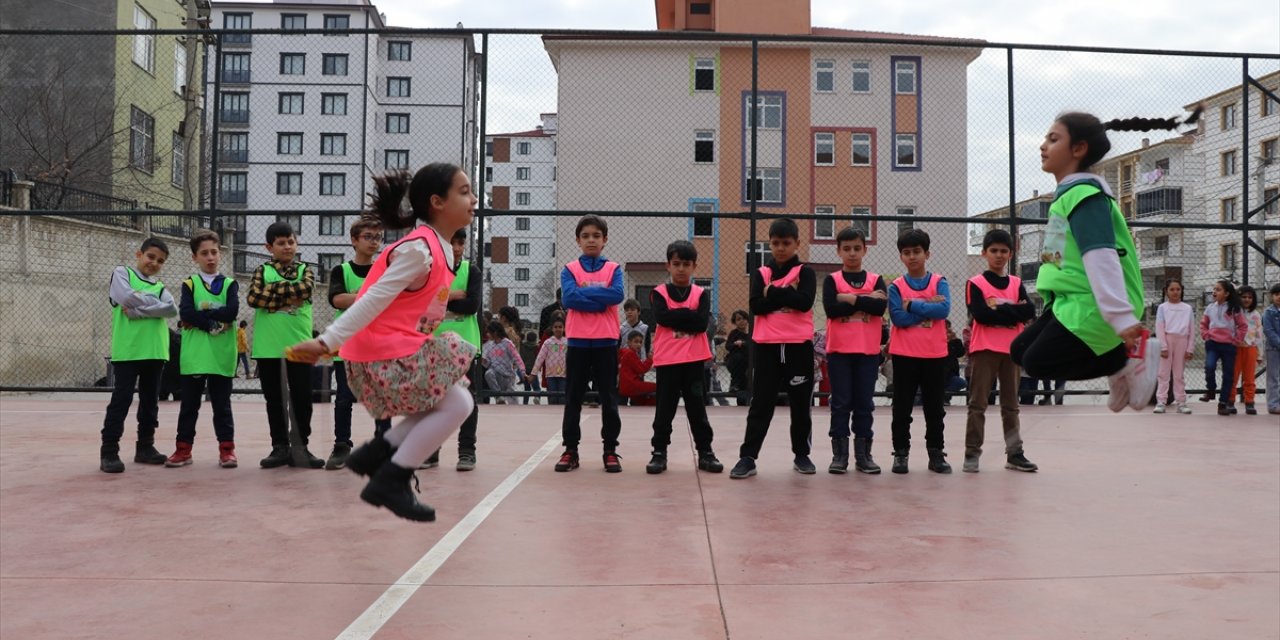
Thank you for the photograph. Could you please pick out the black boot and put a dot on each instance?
(938, 461)
(839, 456)
(707, 461)
(280, 456)
(365, 459)
(145, 452)
(110, 458)
(899, 462)
(657, 463)
(862, 456)
(389, 487)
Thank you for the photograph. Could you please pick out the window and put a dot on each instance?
(235, 68)
(700, 8)
(396, 159)
(522, 248)
(333, 104)
(328, 262)
(293, 21)
(234, 147)
(1163, 166)
(333, 184)
(1158, 201)
(824, 149)
(1228, 209)
(522, 299)
(767, 186)
(333, 144)
(179, 68)
(703, 223)
(522, 148)
(861, 76)
(142, 134)
(488, 149)
(233, 188)
(522, 173)
(522, 224)
(862, 221)
(293, 64)
(522, 198)
(1228, 116)
(334, 64)
(824, 76)
(768, 109)
(704, 74)
(331, 224)
(704, 147)
(755, 255)
(904, 150)
(289, 144)
(1228, 163)
(1160, 246)
(488, 174)
(1269, 149)
(178, 162)
(1269, 196)
(144, 44)
(904, 76)
(399, 51)
(1228, 257)
(906, 225)
(1269, 105)
(522, 274)
(1272, 247)
(289, 184)
(397, 123)
(337, 22)
(290, 104)
(824, 228)
(243, 21)
(235, 108)
(398, 87)
(861, 149)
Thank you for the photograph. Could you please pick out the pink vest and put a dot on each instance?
(394, 333)
(784, 325)
(986, 337)
(854, 334)
(919, 341)
(671, 346)
(599, 325)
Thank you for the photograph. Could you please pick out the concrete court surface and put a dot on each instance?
(1137, 526)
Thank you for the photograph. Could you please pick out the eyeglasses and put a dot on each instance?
(371, 237)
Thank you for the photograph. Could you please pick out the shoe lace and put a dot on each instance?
(416, 487)
(612, 458)
(566, 457)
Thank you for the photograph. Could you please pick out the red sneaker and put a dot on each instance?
(181, 457)
(568, 461)
(612, 462)
(227, 455)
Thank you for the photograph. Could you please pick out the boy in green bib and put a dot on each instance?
(207, 312)
(1089, 275)
(281, 297)
(139, 349)
(460, 318)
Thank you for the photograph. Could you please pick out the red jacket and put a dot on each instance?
(631, 370)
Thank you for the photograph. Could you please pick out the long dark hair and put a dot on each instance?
(1087, 128)
(1253, 293)
(1233, 297)
(390, 190)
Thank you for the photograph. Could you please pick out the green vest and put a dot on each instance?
(275, 330)
(139, 338)
(1062, 279)
(351, 283)
(467, 327)
(203, 353)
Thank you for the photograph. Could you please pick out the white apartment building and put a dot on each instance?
(304, 121)
(521, 267)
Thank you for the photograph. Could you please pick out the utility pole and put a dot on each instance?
(192, 118)
(1259, 235)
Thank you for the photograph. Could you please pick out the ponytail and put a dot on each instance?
(1153, 124)
(1087, 128)
(391, 189)
(388, 195)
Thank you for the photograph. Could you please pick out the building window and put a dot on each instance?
(293, 21)
(522, 173)
(144, 44)
(824, 76)
(906, 225)
(1228, 209)
(396, 159)
(488, 149)
(331, 224)
(1272, 247)
(522, 198)
(398, 87)
(1228, 116)
(142, 144)
(904, 150)
(704, 147)
(522, 248)
(522, 299)
(233, 188)
(337, 22)
(234, 147)
(522, 224)
(1269, 149)
(861, 76)
(243, 21)
(178, 162)
(328, 262)
(824, 229)
(1228, 163)
(1228, 261)
(522, 148)
(333, 64)
(768, 109)
(904, 76)
(488, 174)
(290, 104)
(861, 149)
(755, 255)
(522, 274)
(333, 104)
(289, 184)
(235, 68)
(862, 221)
(1269, 105)
(294, 221)
(397, 123)
(333, 144)
(703, 223)
(704, 74)
(824, 149)
(333, 184)
(1160, 246)
(293, 64)
(399, 51)
(700, 8)
(1157, 201)
(179, 68)
(1269, 196)
(767, 186)
(289, 144)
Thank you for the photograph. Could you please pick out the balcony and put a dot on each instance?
(232, 197)
(233, 156)
(233, 116)
(235, 76)
(1166, 201)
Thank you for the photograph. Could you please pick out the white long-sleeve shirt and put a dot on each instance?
(1176, 319)
(137, 304)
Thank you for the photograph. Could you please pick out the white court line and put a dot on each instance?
(398, 593)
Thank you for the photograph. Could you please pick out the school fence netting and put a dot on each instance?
(112, 136)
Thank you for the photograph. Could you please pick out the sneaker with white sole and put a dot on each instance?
(1119, 383)
(1184, 409)
(1159, 409)
(1143, 383)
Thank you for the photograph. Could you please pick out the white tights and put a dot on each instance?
(418, 435)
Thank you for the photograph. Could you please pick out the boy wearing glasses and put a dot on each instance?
(344, 283)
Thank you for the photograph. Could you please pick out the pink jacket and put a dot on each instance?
(1219, 326)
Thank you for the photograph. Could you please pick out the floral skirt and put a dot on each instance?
(414, 383)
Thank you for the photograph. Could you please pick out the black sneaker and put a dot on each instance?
(145, 453)
(110, 460)
(1017, 462)
(1223, 410)
(1250, 410)
(707, 461)
(338, 457)
(745, 468)
(1231, 408)
(899, 462)
(568, 460)
(804, 465)
(312, 461)
(278, 457)
(466, 461)
(971, 463)
(938, 461)
(657, 463)
(612, 462)
(431, 462)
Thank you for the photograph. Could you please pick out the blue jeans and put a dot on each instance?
(531, 385)
(243, 359)
(853, 384)
(555, 388)
(1213, 352)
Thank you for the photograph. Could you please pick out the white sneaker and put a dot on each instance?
(1184, 409)
(1119, 383)
(1159, 409)
(1142, 385)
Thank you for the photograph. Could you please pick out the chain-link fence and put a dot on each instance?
(286, 115)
